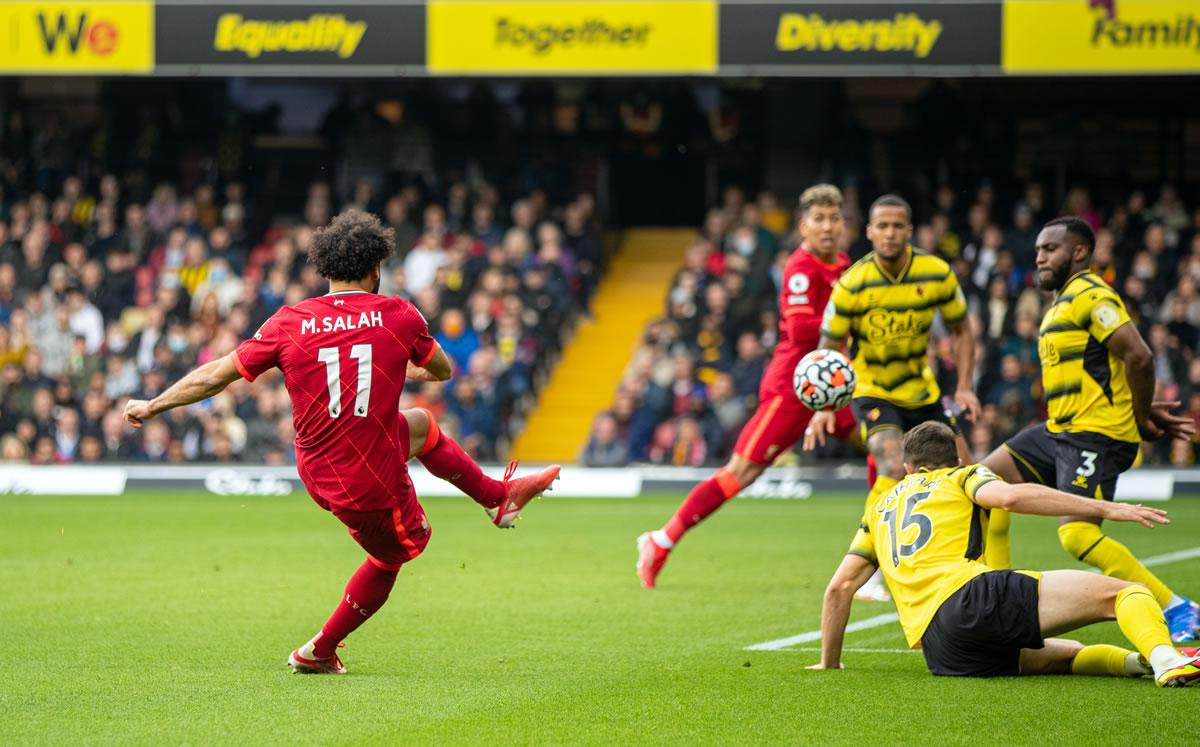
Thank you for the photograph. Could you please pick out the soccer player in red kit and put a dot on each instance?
(345, 357)
(780, 420)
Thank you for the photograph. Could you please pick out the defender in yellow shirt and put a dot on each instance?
(1098, 376)
(927, 536)
(886, 305)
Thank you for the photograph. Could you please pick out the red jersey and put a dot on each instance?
(344, 358)
(807, 283)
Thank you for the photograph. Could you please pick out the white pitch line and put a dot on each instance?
(1171, 557)
(863, 650)
(815, 635)
(879, 620)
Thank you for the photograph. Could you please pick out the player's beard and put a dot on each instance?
(1055, 280)
(375, 284)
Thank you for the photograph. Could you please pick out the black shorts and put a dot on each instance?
(1085, 464)
(980, 630)
(875, 414)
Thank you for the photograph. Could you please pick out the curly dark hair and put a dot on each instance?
(351, 246)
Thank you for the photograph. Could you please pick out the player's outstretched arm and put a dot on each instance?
(1030, 498)
(835, 611)
(203, 382)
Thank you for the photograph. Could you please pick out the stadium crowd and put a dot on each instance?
(693, 380)
(108, 293)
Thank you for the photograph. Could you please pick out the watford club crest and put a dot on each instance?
(873, 415)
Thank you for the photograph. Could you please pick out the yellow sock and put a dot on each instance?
(1141, 619)
(1101, 660)
(882, 485)
(997, 553)
(1086, 542)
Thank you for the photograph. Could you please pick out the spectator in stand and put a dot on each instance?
(458, 340)
(605, 447)
(680, 443)
(422, 263)
(1079, 204)
(66, 435)
(729, 410)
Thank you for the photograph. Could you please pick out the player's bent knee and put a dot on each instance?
(890, 466)
(887, 448)
(1001, 462)
(423, 430)
(1079, 538)
(1117, 589)
(744, 471)
(1054, 657)
(418, 421)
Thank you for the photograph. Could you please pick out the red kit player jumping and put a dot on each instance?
(781, 419)
(344, 358)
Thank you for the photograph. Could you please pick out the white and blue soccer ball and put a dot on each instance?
(824, 380)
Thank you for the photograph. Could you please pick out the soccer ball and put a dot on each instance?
(824, 380)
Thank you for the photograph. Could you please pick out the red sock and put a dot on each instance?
(704, 499)
(443, 457)
(366, 592)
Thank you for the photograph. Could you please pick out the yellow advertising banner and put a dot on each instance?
(500, 38)
(1101, 36)
(77, 37)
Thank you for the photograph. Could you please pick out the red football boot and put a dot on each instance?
(302, 661)
(519, 491)
(651, 558)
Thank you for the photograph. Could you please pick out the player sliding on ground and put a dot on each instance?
(344, 358)
(926, 535)
(1098, 375)
(780, 419)
(887, 302)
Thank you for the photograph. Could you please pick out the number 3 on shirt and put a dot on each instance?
(333, 378)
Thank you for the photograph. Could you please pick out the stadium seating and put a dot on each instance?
(110, 291)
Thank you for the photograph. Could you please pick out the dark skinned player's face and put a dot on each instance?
(1057, 253)
(888, 231)
(822, 227)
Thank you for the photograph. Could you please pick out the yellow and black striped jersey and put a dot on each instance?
(889, 319)
(926, 534)
(1085, 384)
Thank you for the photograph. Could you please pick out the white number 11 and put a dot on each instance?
(333, 378)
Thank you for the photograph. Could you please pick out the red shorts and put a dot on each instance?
(778, 424)
(391, 536)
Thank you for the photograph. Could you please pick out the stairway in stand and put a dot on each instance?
(632, 293)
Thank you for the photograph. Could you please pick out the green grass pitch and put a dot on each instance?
(166, 618)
